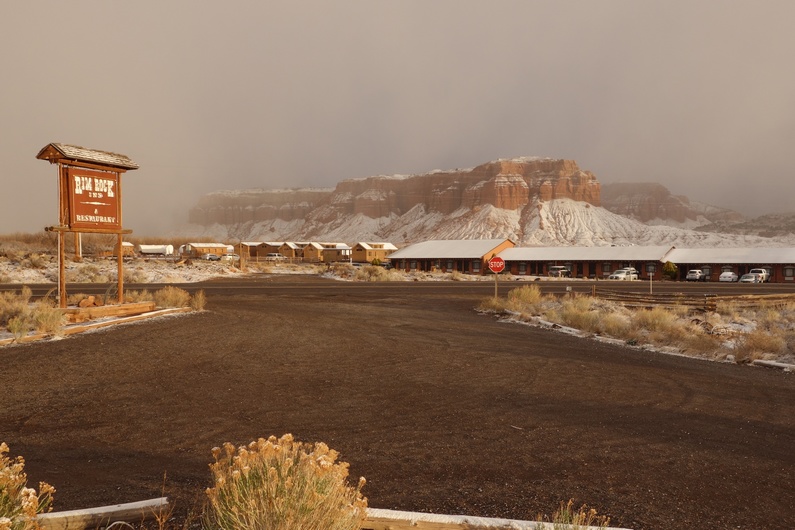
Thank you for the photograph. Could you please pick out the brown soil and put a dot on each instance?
(442, 409)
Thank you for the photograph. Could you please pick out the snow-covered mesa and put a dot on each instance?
(559, 222)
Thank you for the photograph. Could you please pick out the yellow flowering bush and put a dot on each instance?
(282, 485)
(19, 504)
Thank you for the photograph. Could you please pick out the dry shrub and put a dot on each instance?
(566, 517)
(171, 296)
(376, 273)
(282, 485)
(87, 273)
(344, 270)
(456, 276)
(769, 319)
(136, 275)
(20, 504)
(702, 343)
(19, 326)
(198, 301)
(524, 296)
(14, 304)
(134, 296)
(757, 343)
(576, 313)
(616, 325)
(656, 319)
(48, 319)
(493, 303)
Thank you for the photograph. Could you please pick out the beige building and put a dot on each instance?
(364, 252)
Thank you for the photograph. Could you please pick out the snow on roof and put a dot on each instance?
(252, 243)
(448, 249)
(58, 151)
(208, 245)
(630, 253)
(377, 245)
(743, 255)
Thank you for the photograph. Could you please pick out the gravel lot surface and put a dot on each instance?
(442, 409)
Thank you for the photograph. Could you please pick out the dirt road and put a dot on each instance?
(441, 409)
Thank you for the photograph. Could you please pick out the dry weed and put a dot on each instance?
(198, 301)
(48, 319)
(567, 518)
(755, 344)
(20, 504)
(282, 485)
(171, 296)
(376, 273)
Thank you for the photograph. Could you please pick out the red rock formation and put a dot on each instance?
(508, 184)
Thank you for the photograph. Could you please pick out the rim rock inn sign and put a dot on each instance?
(89, 199)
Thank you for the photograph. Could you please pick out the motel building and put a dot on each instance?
(469, 256)
(586, 262)
(779, 262)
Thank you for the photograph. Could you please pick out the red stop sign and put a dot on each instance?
(496, 264)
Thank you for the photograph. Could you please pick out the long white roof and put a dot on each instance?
(743, 255)
(448, 249)
(633, 253)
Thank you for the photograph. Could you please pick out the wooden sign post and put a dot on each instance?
(89, 199)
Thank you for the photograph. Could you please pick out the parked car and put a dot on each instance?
(559, 271)
(230, 257)
(211, 257)
(627, 273)
(728, 276)
(750, 278)
(695, 275)
(274, 256)
(762, 273)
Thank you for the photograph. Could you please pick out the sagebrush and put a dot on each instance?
(282, 485)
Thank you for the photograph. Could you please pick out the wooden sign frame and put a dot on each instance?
(89, 200)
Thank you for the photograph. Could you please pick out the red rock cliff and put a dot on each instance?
(508, 184)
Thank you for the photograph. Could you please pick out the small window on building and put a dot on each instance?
(651, 268)
(475, 265)
(522, 267)
(789, 273)
(707, 271)
(413, 265)
(606, 268)
(449, 264)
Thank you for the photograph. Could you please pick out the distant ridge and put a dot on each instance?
(531, 200)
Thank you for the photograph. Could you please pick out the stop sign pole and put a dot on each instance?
(496, 265)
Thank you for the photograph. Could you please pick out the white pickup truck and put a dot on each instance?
(764, 276)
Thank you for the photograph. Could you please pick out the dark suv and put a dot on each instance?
(559, 271)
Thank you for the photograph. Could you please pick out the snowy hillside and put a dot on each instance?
(544, 223)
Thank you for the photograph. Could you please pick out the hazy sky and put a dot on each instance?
(697, 95)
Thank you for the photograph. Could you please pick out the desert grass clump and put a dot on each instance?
(20, 504)
(48, 318)
(493, 304)
(87, 273)
(170, 296)
(132, 296)
(577, 313)
(198, 300)
(282, 485)
(655, 319)
(568, 518)
(376, 273)
(14, 304)
(758, 344)
(524, 297)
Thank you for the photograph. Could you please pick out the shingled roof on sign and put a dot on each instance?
(59, 152)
